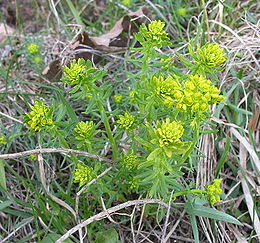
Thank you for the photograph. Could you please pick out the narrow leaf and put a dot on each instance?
(2, 175)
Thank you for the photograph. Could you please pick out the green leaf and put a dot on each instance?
(194, 228)
(185, 61)
(202, 211)
(52, 237)
(155, 154)
(144, 143)
(2, 175)
(168, 152)
(108, 236)
(5, 204)
(70, 111)
(223, 158)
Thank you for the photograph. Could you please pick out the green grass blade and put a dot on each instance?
(2, 175)
(195, 230)
(223, 158)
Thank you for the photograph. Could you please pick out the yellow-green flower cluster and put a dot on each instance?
(156, 31)
(75, 73)
(211, 55)
(83, 174)
(198, 94)
(127, 2)
(84, 131)
(155, 34)
(41, 117)
(130, 161)
(214, 190)
(118, 98)
(132, 95)
(182, 12)
(37, 59)
(126, 121)
(133, 183)
(3, 140)
(33, 48)
(169, 133)
(167, 89)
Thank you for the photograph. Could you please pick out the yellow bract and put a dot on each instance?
(33, 48)
(214, 190)
(40, 117)
(130, 161)
(84, 130)
(169, 132)
(126, 121)
(83, 174)
(211, 55)
(3, 140)
(75, 73)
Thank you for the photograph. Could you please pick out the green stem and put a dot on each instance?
(192, 146)
(105, 121)
(194, 191)
(65, 144)
(144, 72)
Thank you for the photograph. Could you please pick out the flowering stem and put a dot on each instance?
(105, 121)
(144, 72)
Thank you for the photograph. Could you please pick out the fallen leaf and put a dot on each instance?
(53, 70)
(5, 31)
(254, 122)
(89, 47)
(106, 42)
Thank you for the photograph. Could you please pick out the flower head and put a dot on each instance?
(75, 73)
(168, 89)
(168, 132)
(83, 174)
(214, 190)
(211, 55)
(37, 59)
(118, 98)
(130, 161)
(33, 48)
(84, 131)
(154, 35)
(127, 2)
(167, 62)
(198, 94)
(133, 183)
(126, 121)
(41, 117)
(182, 12)
(3, 140)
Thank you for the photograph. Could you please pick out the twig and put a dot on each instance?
(166, 220)
(55, 150)
(54, 198)
(11, 118)
(168, 236)
(104, 214)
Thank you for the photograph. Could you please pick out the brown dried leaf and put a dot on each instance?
(53, 70)
(113, 41)
(5, 31)
(254, 122)
(127, 24)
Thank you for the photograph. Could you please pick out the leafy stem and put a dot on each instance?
(105, 121)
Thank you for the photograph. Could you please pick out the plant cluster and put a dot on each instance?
(154, 137)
